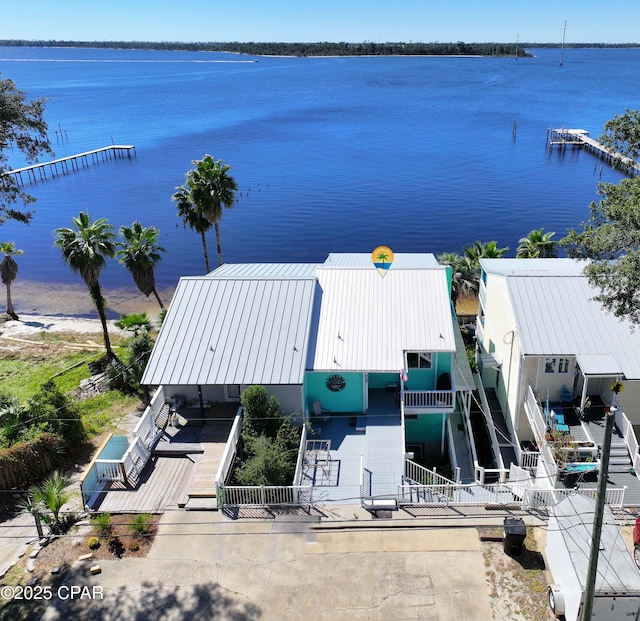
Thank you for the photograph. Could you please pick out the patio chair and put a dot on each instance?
(319, 412)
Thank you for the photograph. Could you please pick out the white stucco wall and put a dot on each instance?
(501, 339)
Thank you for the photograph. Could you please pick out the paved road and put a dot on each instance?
(203, 566)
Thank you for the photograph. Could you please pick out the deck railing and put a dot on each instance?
(529, 460)
(424, 476)
(626, 428)
(535, 498)
(455, 494)
(229, 450)
(534, 414)
(297, 477)
(266, 496)
(146, 427)
(136, 457)
(429, 399)
(110, 470)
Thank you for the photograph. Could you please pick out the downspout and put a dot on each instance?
(201, 404)
(516, 423)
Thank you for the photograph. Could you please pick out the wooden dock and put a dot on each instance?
(64, 165)
(580, 138)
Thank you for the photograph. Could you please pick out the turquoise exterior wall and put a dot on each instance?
(380, 380)
(347, 400)
(427, 428)
(421, 379)
(427, 379)
(444, 363)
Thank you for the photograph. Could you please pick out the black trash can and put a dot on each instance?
(515, 532)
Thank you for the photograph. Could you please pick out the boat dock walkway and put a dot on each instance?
(61, 165)
(580, 138)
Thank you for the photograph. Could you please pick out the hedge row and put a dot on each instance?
(26, 463)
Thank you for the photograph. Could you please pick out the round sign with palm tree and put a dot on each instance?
(382, 258)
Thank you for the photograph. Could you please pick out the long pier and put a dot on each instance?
(71, 162)
(580, 138)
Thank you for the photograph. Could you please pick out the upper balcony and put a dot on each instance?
(427, 401)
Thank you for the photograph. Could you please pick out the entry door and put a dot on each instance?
(232, 392)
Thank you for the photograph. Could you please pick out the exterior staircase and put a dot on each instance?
(619, 458)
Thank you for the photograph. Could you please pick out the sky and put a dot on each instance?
(541, 21)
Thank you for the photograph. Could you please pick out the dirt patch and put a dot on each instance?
(517, 584)
(467, 305)
(52, 562)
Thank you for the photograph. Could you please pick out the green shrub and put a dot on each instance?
(93, 543)
(262, 414)
(133, 546)
(26, 462)
(102, 523)
(140, 525)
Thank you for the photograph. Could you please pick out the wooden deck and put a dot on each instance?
(163, 485)
(213, 440)
(183, 466)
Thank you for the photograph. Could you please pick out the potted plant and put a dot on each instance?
(616, 387)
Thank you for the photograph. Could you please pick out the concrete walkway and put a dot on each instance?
(206, 566)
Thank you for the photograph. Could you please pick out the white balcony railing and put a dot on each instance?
(436, 400)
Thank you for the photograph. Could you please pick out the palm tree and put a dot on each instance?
(140, 253)
(193, 218)
(464, 277)
(52, 495)
(9, 271)
(537, 245)
(209, 189)
(483, 250)
(85, 248)
(382, 257)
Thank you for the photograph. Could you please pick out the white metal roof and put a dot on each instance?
(532, 267)
(401, 260)
(265, 270)
(557, 315)
(570, 528)
(236, 330)
(366, 322)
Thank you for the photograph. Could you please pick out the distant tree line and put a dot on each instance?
(326, 48)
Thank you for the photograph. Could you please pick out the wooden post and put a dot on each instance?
(598, 517)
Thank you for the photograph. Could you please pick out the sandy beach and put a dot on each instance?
(29, 325)
(73, 300)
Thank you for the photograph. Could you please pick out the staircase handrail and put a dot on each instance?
(629, 436)
(419, 474)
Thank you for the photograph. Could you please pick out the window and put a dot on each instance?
(556, 365)
(418, 360)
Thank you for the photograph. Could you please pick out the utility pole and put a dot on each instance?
(587, 609)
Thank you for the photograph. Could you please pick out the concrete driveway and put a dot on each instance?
(203, 566)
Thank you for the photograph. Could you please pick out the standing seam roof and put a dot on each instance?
(557, 315)
(234, 331)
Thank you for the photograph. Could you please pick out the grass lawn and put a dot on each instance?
(27, 364)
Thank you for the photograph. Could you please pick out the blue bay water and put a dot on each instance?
(330, 154)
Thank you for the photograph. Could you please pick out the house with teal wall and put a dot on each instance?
(340, 345)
